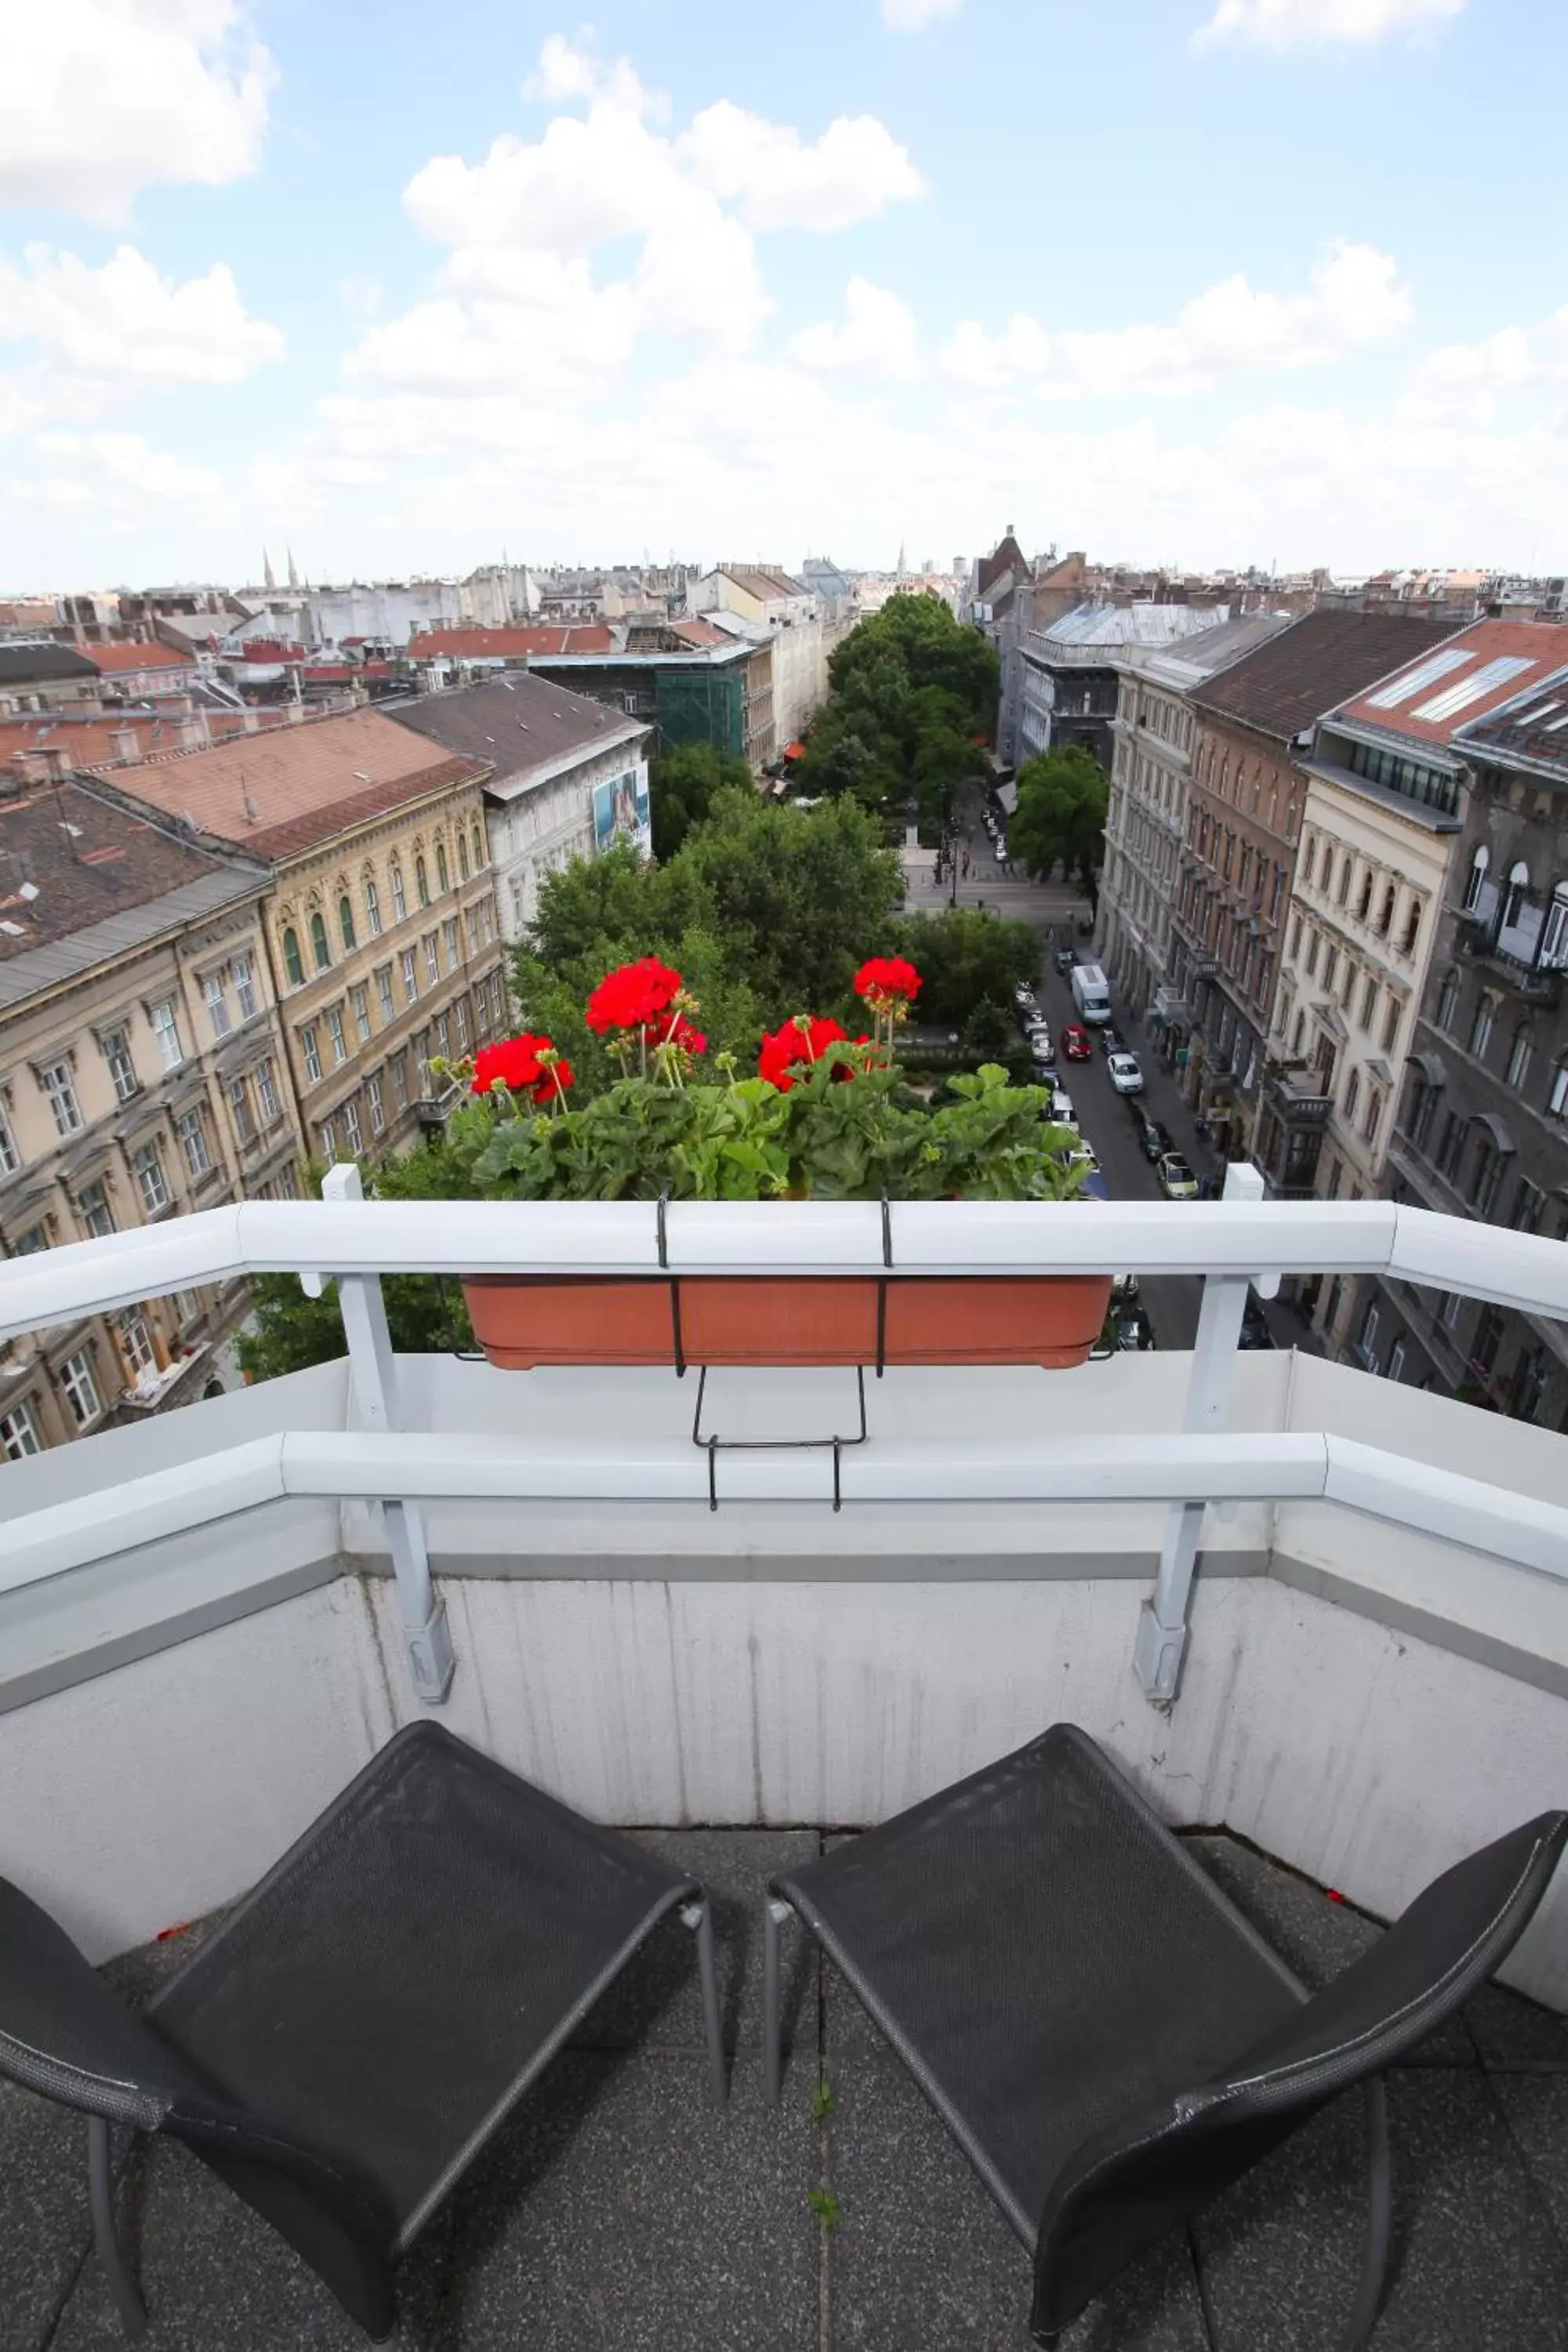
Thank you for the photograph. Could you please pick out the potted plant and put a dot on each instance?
(825, 1117)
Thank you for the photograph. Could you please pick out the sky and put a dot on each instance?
(1192, 282)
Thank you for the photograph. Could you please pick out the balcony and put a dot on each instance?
(1297, 1099)
(1318, 1617)
(1536, 984)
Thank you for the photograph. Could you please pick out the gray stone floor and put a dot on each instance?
(620, 2209)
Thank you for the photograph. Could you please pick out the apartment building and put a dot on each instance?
(1482, 1107)
(141, 1075)
(798, 681)
(380, 924)
(1069, 671)
(568, 777)
(1386, 778)
(1244, 822)
(1147, 817)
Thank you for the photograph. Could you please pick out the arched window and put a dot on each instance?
(1447, 999)
(318, 947)
(372, 907)
(462, 853)
(443, 880)
(1482, 1026)
(479, 846)
(346, 923)
(293, 963)
(420, 882)
(399, 901)
(1346, 871)
(1518, 1054)
(1513, 906)
(1478, 865)
(1386, 918)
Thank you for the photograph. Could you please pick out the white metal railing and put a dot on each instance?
(1231, 1243)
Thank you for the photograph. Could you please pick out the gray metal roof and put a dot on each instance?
(1128, 625)
(40, 968)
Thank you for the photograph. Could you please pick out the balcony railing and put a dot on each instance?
(1536, 984)
(1299, 1098)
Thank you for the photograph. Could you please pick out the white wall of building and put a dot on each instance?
(536, 829)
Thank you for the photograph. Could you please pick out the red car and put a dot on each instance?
(1075, 1043)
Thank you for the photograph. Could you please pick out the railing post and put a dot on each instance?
(373, 1372)
(1162, 1629)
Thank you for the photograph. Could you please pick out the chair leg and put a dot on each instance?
(1379, 2219)
(775, 1914)
(698, 1917)
(100, 2197)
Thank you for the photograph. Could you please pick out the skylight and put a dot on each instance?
(1470, 690)
(1411, 681)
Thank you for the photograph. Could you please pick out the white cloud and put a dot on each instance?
(1467, 382)
(100, 98)
(116, 477)
(853, 172)
(1355, 298)
(914, 15)
(1316, 24)
(126, 320)
(877, 335)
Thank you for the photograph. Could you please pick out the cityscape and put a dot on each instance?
(783, 1179)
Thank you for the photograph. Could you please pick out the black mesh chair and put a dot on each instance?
(1108, 2040)
(350, 2037)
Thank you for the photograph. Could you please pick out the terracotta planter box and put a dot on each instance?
(521, 1321)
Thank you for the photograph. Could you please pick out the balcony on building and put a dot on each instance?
(1320, 1617)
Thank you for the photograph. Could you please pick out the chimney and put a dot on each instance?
(124, 743)
(43, 764)
(192, 733)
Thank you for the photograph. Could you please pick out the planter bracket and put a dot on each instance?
(713, 1445)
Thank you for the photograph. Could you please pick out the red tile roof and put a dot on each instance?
(269, 651)
(280, 793)
(114, 660)
(1487, 665)
(479, 645)
(700, 633)
(1310, 668)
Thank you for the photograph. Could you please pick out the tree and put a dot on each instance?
(798, 897)
(682, 788)
(964, 958)
(992, 1034)
(1063, 799)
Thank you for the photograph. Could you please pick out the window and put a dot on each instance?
(351, 1128)
(335, 1032)
(472, 922)
(1529, 1207)
(1390, 1022)
(1486, 1176)
(372, 907)
(293, 963)
(311, 1051)
(420, 882)
(432, 962)
(1477, 878)
(1482, 1027)
(1451, 1149)
(18, 1433)
(372, 1096)
(1412, 927)
(150, 1182)
(1346, 869)
(1554, 950)
(1347, 986)
(135, 1341)
(1557, 1100)
(29, 1244)
(61, 1094)
(399, 902)
(462, 1013)
(10, 1158)
(346, 924)
(166, 1030)
(1368, 1004)
(410, 977)
(1373, 1119)
(1353, 1094)
(329, 1141)
(1396, 1370)
(318, 946)
(443, 1035)
(239, 1104)
(1331, 965)
(443, 881)
(462, 856)
(1448, 1001)
(1313, 944)
(1423, 1110)
(1386, 917)
(244, 987)
(81, 1390)
(1529, 1383)
(1488, 1333)
(1513, 904)
(383, 991)
(399, 1068)
(479, 846)
(362, 1013)
(453, 955)
(97, 1216)
(191, 1129)
(121, 1068)
(1518, 1054)
(267, 1090)
(1367, 1343)
(1364, 901)
(217, 1005)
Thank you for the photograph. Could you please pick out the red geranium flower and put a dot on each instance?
(788, 1047)
(633, 995)
(888, 976)
(515, 1064)
(677, 1033)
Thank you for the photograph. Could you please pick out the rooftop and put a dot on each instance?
(508, 645)
(1113, 625)
(96, 739)
(763, 581)
(278, 792)
(112, 660)
(1315, 666)
(516, 723)
(1531, 728)
(1485, 667)
(19, 664)
(1192, 660)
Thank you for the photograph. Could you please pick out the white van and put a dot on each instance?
(1091, 994)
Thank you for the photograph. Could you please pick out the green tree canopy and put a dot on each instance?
(965, 956)
(682, 788)
(1063, 798)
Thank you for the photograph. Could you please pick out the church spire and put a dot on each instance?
(293, 575)
(267, 579)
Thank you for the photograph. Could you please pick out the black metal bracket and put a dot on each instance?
(661, 1231)
(714, 1446)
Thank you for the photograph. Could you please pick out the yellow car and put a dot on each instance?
(1176, 1179)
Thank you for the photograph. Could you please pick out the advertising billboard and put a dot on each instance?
(621, 812)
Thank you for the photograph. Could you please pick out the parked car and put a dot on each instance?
(1075, 1043)
(1125, 1074)
(1063, 960)
(1023, 996)
(1255, 1331)
(1153, 1137)
(1111, 1039)
(1061, 1106)
(1033, 1018)
(1040, 1044)
(1176, 1179)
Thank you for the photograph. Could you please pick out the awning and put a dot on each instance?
(1496, 1130)
(794, 750)
(1430, 1067)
